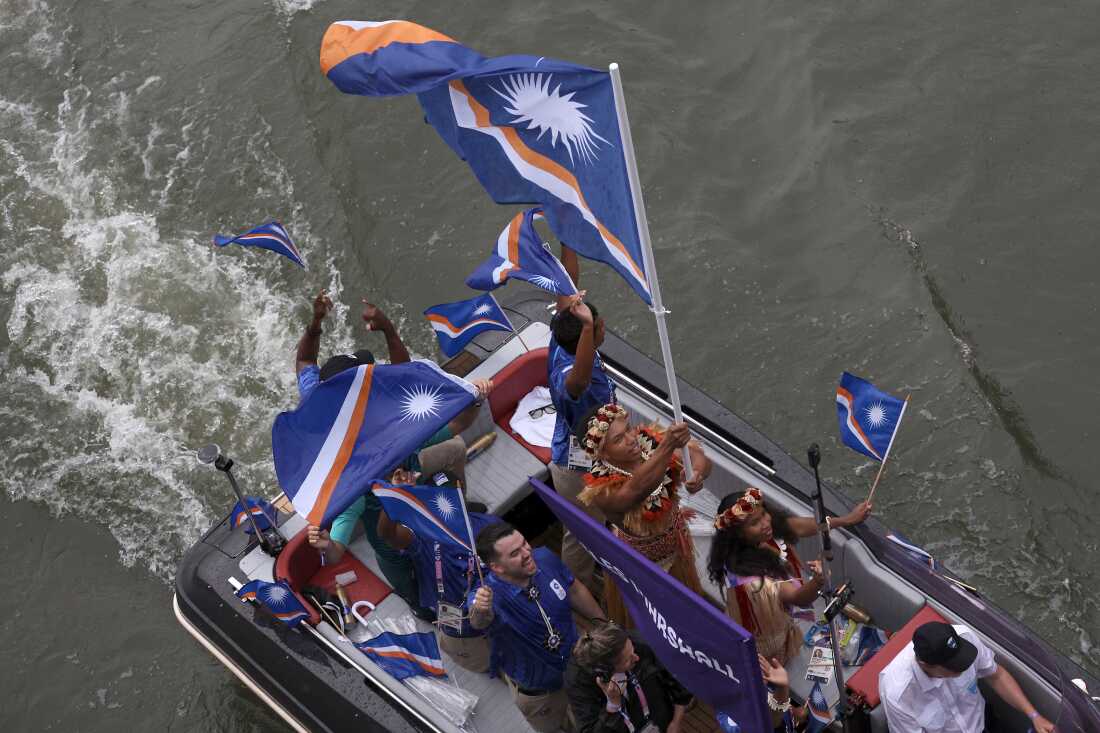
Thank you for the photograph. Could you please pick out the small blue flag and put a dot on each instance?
(357, 425)
(405, 655)
(456, 324)
(521, 253)
(261, 511)
(277, 598)
(272, 236)
(869, 418)
(820, 715)
(431, 512)
(916, 553)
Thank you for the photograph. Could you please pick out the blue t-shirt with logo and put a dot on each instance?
(600, 391)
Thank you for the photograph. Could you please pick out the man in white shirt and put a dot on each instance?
(931, 686)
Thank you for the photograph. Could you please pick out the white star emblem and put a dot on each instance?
(419, 402)
(483, 309)
(875, 414)
(532, 101)
(276, 594)
(444, 505)
(544, 282)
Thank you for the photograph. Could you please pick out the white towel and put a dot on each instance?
(536, 431)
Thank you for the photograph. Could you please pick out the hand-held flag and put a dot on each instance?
(405, 655)
(357, 425)
(820, 715)
(521, 253)
(272, 236)
(456, 324)
(533, 129)
(261, 511)
(277, 598)
(434, 513)
(868, 417)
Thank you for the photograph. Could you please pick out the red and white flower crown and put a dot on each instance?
(749, 502)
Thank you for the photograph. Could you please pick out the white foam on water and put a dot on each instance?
(289, 8)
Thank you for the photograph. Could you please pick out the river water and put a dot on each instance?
(903, 190)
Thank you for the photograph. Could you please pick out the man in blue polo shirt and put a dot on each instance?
(577, 384)
(445, 575)
(527, 605)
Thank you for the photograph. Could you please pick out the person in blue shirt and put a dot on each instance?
(527, 604)
(578, 383)
(445, 575)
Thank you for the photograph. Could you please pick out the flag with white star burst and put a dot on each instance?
(869, 418)
(520, 253)
(433, 513)
(357, 426)
(533, 129)
(277, 598)
(456, 324)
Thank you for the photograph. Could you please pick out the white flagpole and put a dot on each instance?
(470, 531)
(509, 322)
(882, 466)
(648, 259)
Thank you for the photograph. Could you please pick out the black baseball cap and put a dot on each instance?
(340, 362)
(938, 643)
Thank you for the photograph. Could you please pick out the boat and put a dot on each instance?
(317, 680)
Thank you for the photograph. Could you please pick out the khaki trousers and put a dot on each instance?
(568, 484)
(448, 456)
(545, 713)
(469, 652)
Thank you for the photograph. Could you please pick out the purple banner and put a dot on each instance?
(702, 647)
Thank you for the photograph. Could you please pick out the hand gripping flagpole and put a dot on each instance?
(648, 260)
(882, 466)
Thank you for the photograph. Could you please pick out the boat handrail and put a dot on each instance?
(731, 449)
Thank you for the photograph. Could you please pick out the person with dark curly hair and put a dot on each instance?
(753, 558)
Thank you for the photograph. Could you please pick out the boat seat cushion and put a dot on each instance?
(510, 385)
(300, 565)
(864, 683)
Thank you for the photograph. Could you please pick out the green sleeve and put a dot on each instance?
(343, 527)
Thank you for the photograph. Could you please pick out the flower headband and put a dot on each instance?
(598, 426)
(741, 509)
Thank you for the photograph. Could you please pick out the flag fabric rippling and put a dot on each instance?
(405, 655)
(520, 253)
(820, 715)
(358, 425)
(916, 553)
(271, 236)
(456, 324)
(869, 418)
(261, 511)
(534, 130)
(277, 598)
(431, 512)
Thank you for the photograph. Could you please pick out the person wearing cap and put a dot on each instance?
(443, 453)
(931, 686)
(577, 383)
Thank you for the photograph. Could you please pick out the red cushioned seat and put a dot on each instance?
(863, 685)
(510, 385)
(300, 565)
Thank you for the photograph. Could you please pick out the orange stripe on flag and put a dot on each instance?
(513, 238)
(481, 114)
(341, 42)
(344, 454)
(853, 422)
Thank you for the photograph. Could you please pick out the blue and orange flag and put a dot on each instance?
(358, 425)
(405, 655)
(869, 418)
(434, 513)
(533, 129)
(271, 236)
(820, 714)
(262, 512)
(520, 253)
(456, 324)
(277, 598)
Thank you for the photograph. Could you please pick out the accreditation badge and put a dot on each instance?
(449, 615)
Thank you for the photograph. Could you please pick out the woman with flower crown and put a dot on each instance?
(754, 560)
(635, 479)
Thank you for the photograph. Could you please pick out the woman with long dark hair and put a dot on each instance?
(754, 560)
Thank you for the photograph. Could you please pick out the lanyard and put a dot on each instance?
(641, 700)
(439, 573)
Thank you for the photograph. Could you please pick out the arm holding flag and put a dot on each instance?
(580, 376)
(652, 472)
(807, 526)
(466, 418)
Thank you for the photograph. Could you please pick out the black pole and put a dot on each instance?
(814, 456)
(213, 454)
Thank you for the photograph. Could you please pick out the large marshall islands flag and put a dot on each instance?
(533, 129)
(520, 253)
(358, 425)
(433, 512)
(869, 418)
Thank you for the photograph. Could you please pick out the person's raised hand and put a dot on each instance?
(611, 690)
(322, 304)
(318, 538)
(484, 387)
(861, 512)
(375, 318)
(774, 672)
(483, 599)
(581, 310)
